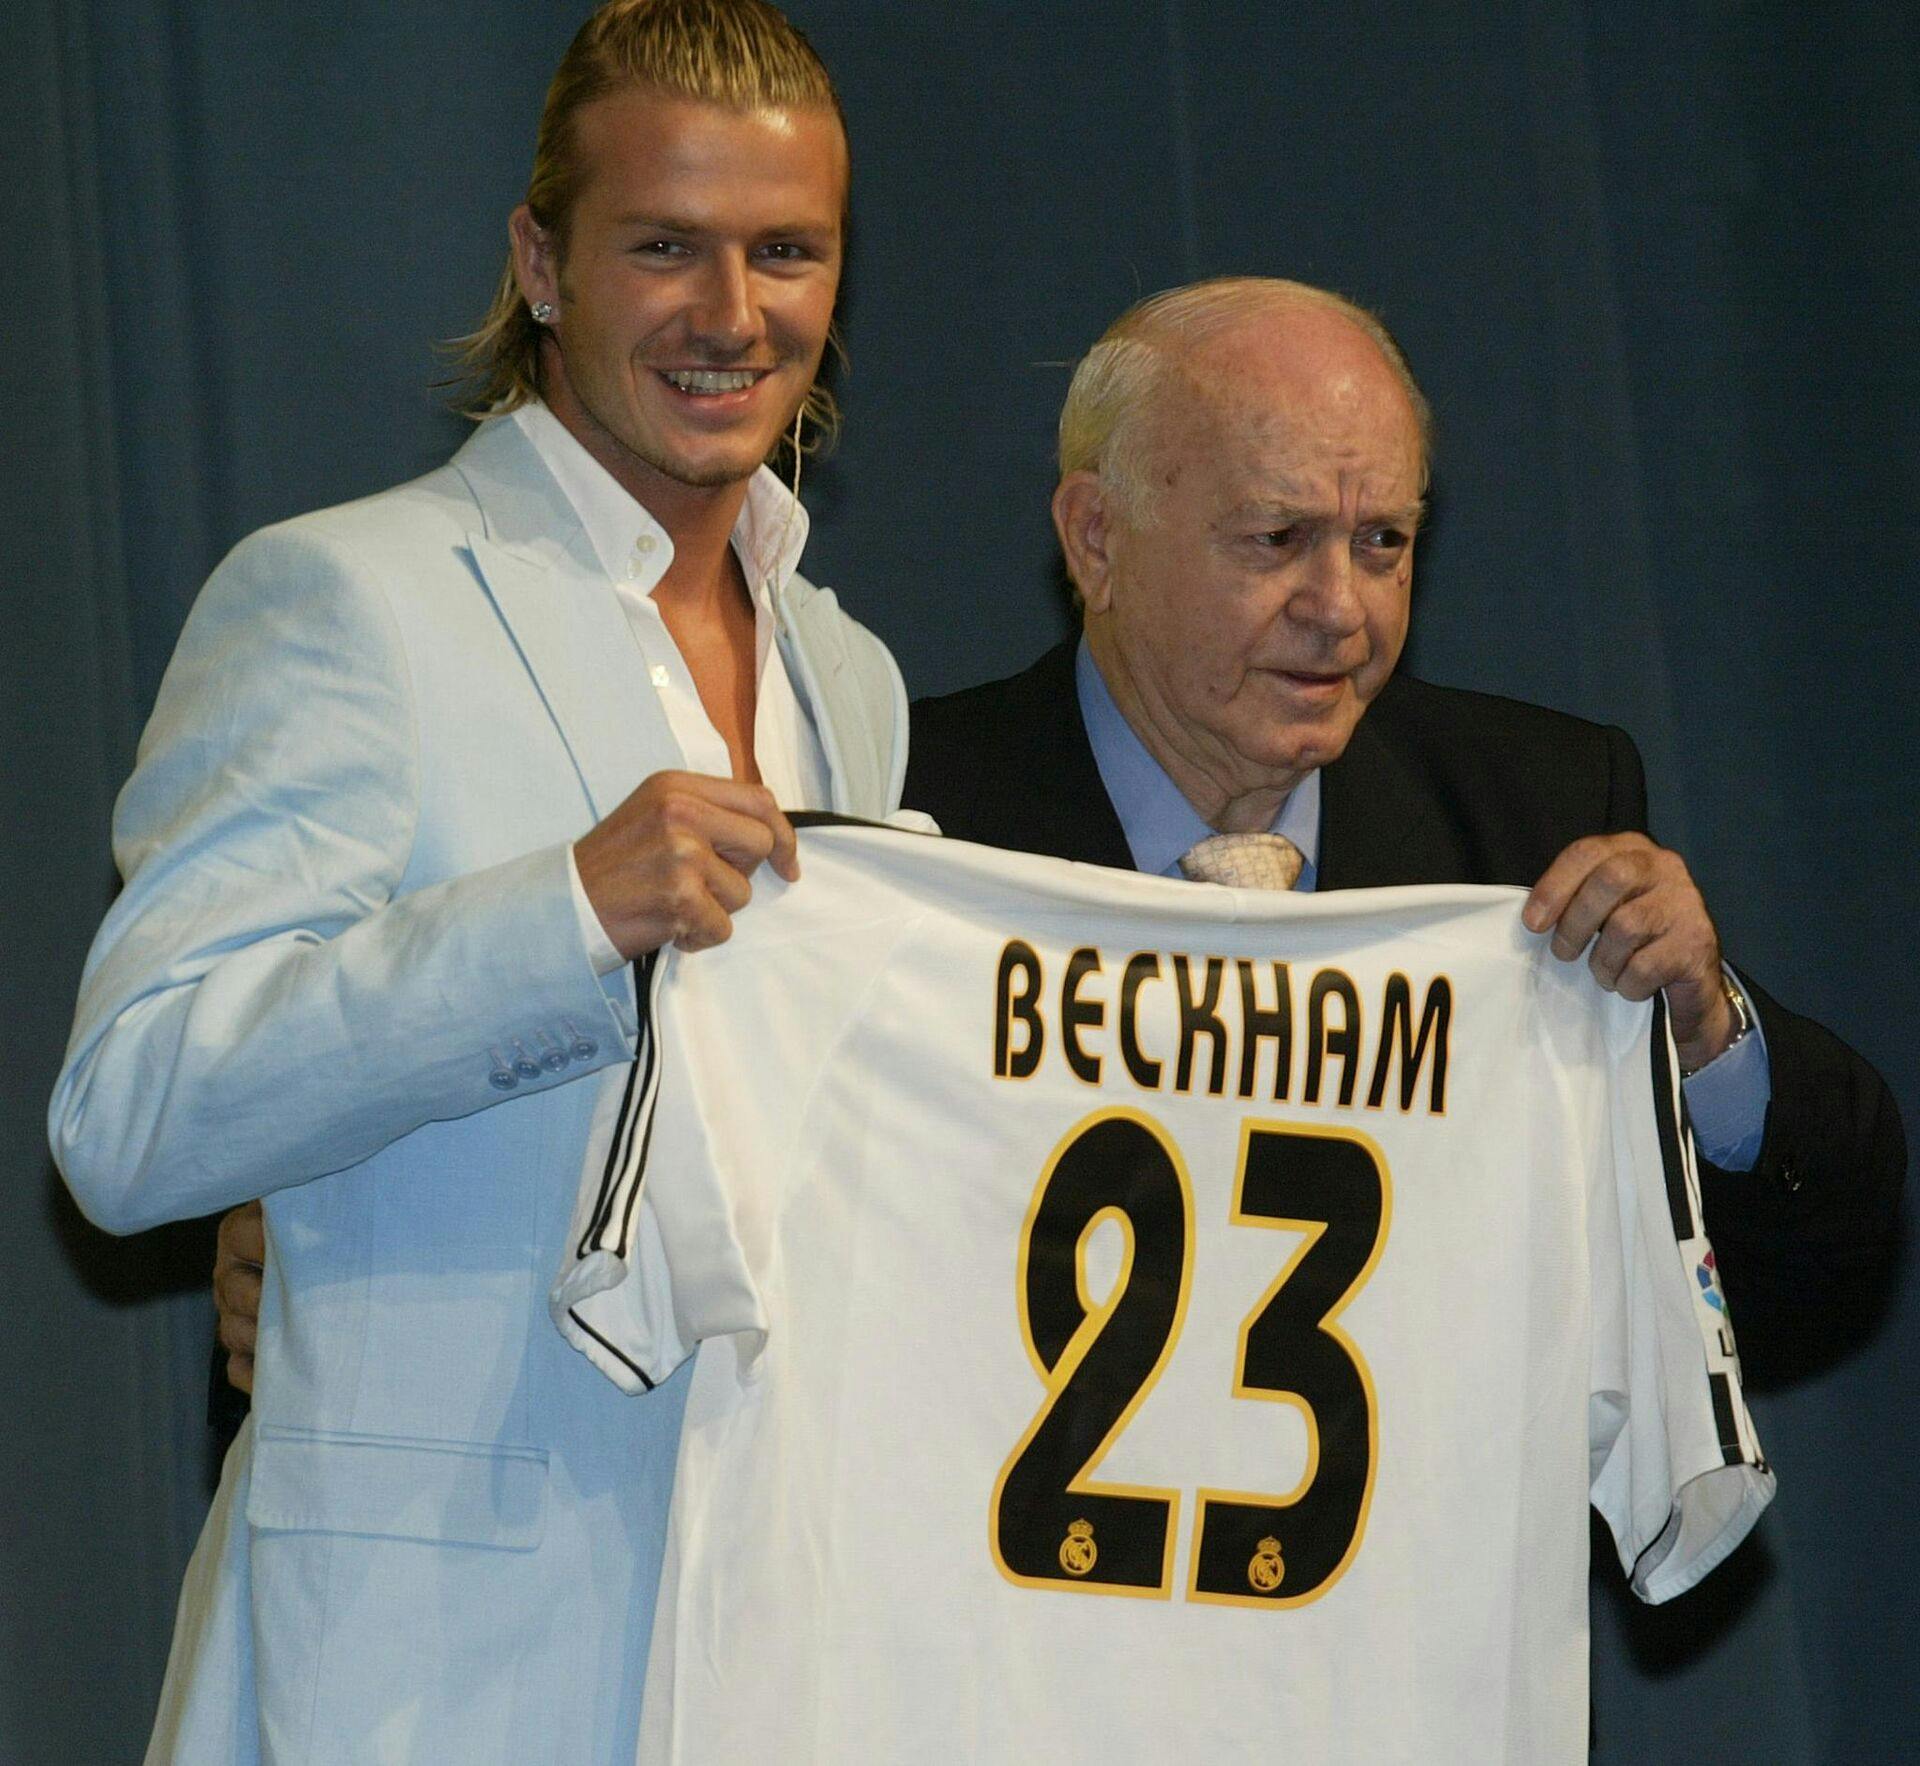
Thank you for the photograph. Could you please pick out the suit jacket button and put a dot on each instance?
(501, 1079)
(584, 1048)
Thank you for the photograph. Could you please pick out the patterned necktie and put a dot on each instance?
(1244, 861)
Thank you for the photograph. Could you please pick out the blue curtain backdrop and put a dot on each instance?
(1654, 262)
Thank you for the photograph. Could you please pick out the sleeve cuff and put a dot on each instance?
(1727, 1099)
(600, 949)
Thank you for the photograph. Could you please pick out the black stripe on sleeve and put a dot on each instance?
(1673, 1159)
(1732, 1449)
(613, 1349)
(609, 1176)
(632, 1104)
(1732, 1426)
(639, 1167)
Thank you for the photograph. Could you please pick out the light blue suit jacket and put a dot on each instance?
(346, 968)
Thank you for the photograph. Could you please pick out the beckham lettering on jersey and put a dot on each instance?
(1231, 1026)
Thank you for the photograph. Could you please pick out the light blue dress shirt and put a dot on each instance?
(1727, 1099)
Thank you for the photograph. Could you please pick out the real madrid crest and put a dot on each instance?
(1078, 1553)
(1265, 1568)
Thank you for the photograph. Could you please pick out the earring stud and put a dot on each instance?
(542, 312)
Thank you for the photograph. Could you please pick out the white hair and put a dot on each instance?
(1102, 426)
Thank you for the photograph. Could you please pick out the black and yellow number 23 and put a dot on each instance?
(1051, 1525)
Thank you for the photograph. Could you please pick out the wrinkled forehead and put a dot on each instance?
(1247, 423)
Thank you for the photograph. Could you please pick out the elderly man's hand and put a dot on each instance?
(241, 1251)
(1636, 904)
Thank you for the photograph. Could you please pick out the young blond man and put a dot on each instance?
(426, 772)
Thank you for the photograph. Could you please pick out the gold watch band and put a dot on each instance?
(1742, 1022)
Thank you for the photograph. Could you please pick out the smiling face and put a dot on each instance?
(693, 289)
(1247, 619)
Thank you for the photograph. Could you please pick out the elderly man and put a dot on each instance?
(1243, 463)
(425, 773)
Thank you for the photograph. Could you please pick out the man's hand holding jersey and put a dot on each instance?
(672, 865)
(1640, 910)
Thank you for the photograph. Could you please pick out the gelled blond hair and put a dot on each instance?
(742, 54)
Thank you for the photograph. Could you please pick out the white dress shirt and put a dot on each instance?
(636, 551)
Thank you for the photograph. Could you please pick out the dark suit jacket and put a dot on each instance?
(1443, 786)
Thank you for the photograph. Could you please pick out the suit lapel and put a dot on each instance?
(1055, 801)
(1383, 822)
(540, 572)
(1351, 855)
(811, 647)
(1088, 827)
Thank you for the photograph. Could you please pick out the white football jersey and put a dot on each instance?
(1142, 1319)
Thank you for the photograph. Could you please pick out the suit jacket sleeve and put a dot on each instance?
(266, 1002)
(1816, 1212)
